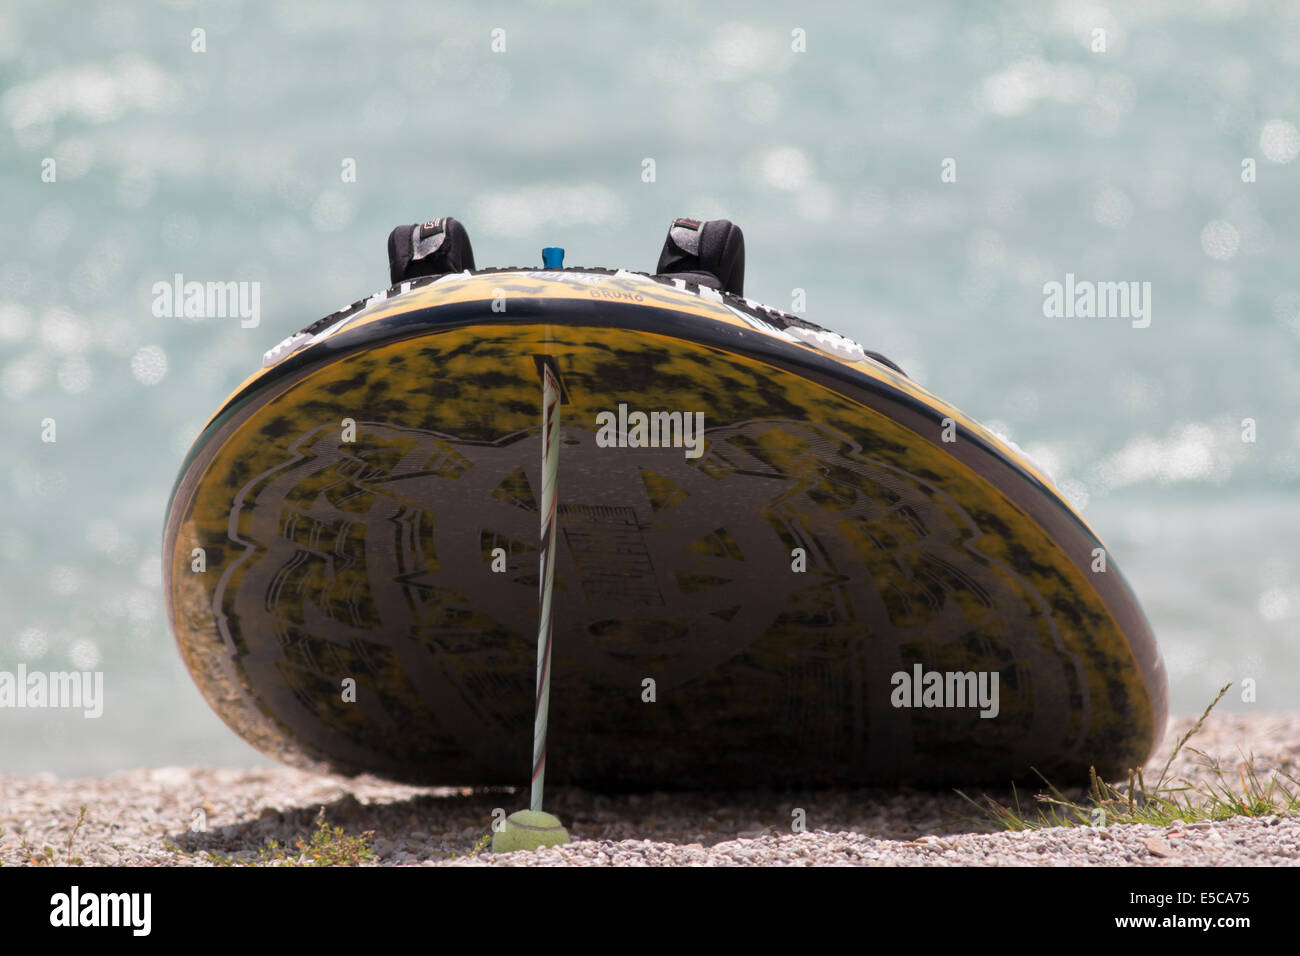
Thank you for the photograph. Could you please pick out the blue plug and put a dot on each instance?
(553, 257)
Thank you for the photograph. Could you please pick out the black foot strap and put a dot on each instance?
(436, 247)
(710, 253)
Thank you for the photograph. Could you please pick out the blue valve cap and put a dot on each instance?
(553, 257)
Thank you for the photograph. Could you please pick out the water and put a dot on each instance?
(225, 165)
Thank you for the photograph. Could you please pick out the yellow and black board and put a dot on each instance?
(840, 580)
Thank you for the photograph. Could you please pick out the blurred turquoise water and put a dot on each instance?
(225, 165)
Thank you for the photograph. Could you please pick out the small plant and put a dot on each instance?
(478, 847)
(330, 846)
(1161, 804)
(481, 845)
(45, 856)
(327, 846)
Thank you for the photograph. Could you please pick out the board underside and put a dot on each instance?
(371, 560)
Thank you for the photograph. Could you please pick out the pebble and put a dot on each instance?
(1158, 847)
(132, 815)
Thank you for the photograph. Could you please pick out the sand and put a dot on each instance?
(179, 816)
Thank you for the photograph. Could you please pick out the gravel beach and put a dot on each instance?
(178, 816)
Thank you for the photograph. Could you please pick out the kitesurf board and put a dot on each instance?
(805, 571)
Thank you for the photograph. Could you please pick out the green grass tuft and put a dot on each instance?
(1223, 795)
